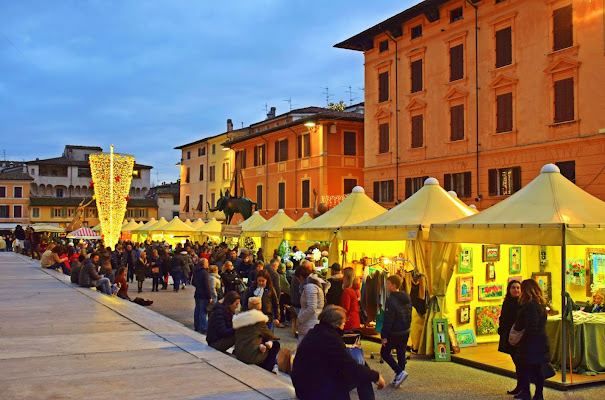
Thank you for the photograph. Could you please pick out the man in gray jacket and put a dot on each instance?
(89, 276)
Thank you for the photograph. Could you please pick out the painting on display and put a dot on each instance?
(491, 292)
(466, 338)
(598, 270)
(464, 289)
(515, 260)
(491, 252)
(442, 339)
(488, 319)
(544, 281)
(464, 314)
(575, 272)
(490, 272)
(595, 270)
(465, 263)
(515, 278)
(455, 349)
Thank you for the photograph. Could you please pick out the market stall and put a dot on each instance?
(188, 222)
(401, 234)
(154, 231)
(269, 234)
(140, 234)
(210, 231)
(175, 231)
(84, 233)
(50, 228)
(550, 230)
(251, 241)
(355, 208)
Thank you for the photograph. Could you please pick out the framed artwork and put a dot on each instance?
(488, 319)
(455, 349)
(442, 339)
(490, 272)
(514, 266)
(594, 270)
(464, 288)
(514, 278)
(465, 263)
(491, 252)
(575, 272)
(544, 281)
(490, 292)
(466, 338)
(464, 314)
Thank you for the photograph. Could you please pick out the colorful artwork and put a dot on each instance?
(488, 319)
(491, 252)
(515, 278)
(544, 281)
(490, 272)
(455, 349)
(598, 270)
(464, 314)
(465, 288)
(515, 260)
(491, 292)
(441, 339)
(575, 272)
(465, 263)
(466, 338)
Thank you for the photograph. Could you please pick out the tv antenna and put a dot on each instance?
(350, 92)
(289, 101)
(326, 92)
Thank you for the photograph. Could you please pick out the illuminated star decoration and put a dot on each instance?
(112, 184)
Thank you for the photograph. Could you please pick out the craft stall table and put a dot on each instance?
(587, 342)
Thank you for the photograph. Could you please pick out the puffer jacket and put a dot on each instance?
(220, 324)
(312, 301)
(216, 287)
(397, 314)
(88, 274)
(250, 331)
(187, 263)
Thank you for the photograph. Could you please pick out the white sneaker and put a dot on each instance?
(399, 379)
(275, 369)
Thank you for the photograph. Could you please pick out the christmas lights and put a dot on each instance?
(111, 178)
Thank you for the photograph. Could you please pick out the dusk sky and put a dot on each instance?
(150, 75)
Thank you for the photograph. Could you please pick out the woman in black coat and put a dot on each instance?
(220, 334)
(229, 277)
(324, 369)
(532, 351)
(508, 316)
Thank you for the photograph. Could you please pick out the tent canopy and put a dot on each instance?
(157, 226)
(47, 228)
(304, 219)
(541, 213)
(176, 226)
(274, 227)
(131, 226)
(145, 227)
(188, 222)
(83, 233)
(197, 224)
(96, 228)
(212, 228)
(428, 205)
(255, 220)
(356, 207)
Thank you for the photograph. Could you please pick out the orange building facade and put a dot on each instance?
(14, 197)
(536, 75)
(285, 158)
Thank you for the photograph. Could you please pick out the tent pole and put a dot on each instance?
(563, 290)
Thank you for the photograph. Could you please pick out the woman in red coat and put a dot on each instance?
(350, 299)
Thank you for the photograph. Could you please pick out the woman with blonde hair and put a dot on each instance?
(350, 298)
(533, 351)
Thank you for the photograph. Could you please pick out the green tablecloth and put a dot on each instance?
(587, 345)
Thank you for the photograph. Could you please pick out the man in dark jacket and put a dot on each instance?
(324, 369)
(76, 266)
(129, 260)
(89, 276)
(335, 293)
(116, 258)
(202, 296)
(396, 328)
(272, 269)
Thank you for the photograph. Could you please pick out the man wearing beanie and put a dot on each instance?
(335, 293)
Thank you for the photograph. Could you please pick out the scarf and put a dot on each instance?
(258, 292)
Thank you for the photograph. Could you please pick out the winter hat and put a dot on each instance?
(254, 303)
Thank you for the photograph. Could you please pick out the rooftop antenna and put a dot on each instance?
(266, 108)
(4, 154)
(326, 92)
(242, 124)
(289, 101)
(350, 93)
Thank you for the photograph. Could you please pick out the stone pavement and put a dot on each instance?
(64, 342)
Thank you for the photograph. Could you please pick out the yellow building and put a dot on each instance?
(14, 197)
(206, 170)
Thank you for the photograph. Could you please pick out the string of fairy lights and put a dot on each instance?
(111, 179)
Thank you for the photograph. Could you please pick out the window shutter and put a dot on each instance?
(408, 187)
(259, 197)
(504, 117)
(376, 191)
(282, 195)
(416, 73)
(277, 151)
(305, 194)
(457, 122)
(284, 150)
(383, 87)
(256, 149)
(447, 182)
(456, 62)
(564, 100)
(493, 181)
(383, 139)
(350, 145)
(299, 145)
(417, 128)
(516, 179)
(468, 188)
(243, 164)
(504, 47)
(563, 28)
(262, 154)
(307, 143)
(390, 190)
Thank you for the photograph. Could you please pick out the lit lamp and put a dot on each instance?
(226, 148)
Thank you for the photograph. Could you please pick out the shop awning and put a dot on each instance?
(547, 211)
(47, 228)
(428, 205)
(83, 233)
(255, 220)
(274, 227)
(355, 208)
(131, 226)
(176, 227)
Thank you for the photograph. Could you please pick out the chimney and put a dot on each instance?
(25, 168)
(229, 125)
(271, 114)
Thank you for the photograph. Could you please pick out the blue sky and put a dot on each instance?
(150, 75)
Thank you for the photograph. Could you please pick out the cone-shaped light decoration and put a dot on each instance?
(111, 178)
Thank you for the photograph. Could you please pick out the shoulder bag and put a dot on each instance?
(515, 336)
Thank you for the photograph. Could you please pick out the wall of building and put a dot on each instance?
(166, 206)
(534, 140)
(47, 215)
(12, 202)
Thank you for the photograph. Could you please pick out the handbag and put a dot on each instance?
(155, 270)
(515, 336)
(363, 315)
(353, 344)
(547, 370)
